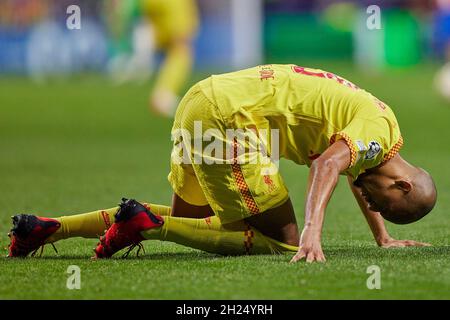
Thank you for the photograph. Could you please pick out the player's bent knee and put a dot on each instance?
(181, 208)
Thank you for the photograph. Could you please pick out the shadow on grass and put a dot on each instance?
(59, 257)
(376, 252)
(169, 256)
(185, 256)
(334, 253)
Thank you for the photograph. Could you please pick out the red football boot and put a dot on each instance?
(29, 233)
(131, 219)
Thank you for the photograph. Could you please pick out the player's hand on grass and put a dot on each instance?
(392, 243)
(310, 247)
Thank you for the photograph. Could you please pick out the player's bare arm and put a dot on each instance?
(376, 223)
(323, 178)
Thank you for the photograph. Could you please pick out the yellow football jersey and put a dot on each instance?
(311, 108)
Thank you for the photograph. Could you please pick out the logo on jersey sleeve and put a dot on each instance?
(361, 146)
(361, 149)
(373, 149)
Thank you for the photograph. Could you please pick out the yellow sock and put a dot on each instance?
(211, 236)
(158, 209)
(93, 224)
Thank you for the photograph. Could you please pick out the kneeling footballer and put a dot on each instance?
(227, 205)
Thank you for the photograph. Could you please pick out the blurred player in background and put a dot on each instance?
(442, 45)
(141, 27)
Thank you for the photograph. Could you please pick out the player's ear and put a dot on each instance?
(405, 186)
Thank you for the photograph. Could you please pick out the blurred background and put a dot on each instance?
(35, 41)
(127, 40)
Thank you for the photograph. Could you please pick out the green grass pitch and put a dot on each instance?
(81, 145)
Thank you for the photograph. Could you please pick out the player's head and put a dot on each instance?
(400, 198)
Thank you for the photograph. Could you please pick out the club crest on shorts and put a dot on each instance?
(374, 149)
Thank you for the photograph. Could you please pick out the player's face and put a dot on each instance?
(380, 193)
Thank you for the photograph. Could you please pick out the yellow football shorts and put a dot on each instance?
(207, 166)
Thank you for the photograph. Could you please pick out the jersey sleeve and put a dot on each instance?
(371, 142)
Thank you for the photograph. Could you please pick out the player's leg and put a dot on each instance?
(172, 76)
(175, 25)
(134, 224)
(94, 224)
(278, 223)
(235, 238)
(181, 208)
(29, 232)
(192, 224)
